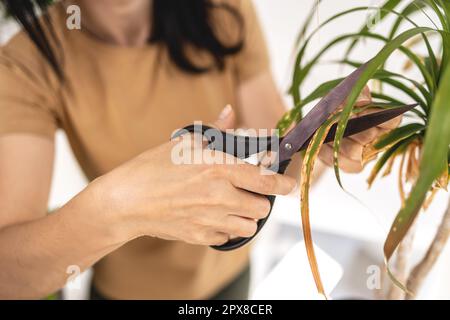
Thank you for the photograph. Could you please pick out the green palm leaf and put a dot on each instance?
(430, 125)
(435, 150)
(367, 74)
(398, 134)
(397, 148)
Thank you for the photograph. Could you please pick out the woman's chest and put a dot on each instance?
(114, 111)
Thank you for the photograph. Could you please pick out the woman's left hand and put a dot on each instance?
(351, 156)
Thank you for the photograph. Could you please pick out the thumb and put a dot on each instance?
(226, 119)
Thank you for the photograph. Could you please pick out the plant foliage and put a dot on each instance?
(425, 138)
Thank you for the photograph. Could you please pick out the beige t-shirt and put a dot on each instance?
(115, 103)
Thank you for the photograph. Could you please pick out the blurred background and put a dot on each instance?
(348, 228)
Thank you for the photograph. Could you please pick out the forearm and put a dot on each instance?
(35, 255)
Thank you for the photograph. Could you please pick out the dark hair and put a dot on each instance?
(176, 24)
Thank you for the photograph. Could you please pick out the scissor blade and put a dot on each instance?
(365, 122)
(304, 130)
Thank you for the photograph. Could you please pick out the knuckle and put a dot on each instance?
(214, 171)
(202, 238)
(219, 198)
(218, 193)
(198, 221)
(247, 229)
(220, 239)
(267, 184)
(250, 230)
(289, 184)
(236, 199)
(213, 198)
(189, 237)
(228, 196)
(371, 135)
(261, 208)
(266, 207)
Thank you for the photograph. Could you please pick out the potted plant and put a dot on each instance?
(421, 143)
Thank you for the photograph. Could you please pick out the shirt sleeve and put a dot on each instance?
(254, 57)
(26, 101)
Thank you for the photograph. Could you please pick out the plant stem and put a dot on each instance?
(422, 269)
(401, 265)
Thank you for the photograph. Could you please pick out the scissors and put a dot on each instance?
(295, 140)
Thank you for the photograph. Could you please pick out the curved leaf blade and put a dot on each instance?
(398, 134)
(372, 67)
(435, 149)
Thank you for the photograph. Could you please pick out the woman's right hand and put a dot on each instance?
(197, 203)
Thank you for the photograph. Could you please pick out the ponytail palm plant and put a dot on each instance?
(422, 142)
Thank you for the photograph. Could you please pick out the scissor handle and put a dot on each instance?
(241, 147)
(236, 243)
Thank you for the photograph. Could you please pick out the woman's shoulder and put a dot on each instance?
(20, 51)
(20, 55)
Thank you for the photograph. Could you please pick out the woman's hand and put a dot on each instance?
(196, 203)
(351, 156)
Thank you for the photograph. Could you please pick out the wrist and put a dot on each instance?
(96, 204)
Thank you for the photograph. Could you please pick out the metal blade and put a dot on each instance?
(304, 130)
(360, 124)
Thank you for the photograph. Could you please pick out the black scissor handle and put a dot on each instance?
(236, 243)
(241, 147)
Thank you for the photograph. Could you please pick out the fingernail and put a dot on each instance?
(225, 112)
